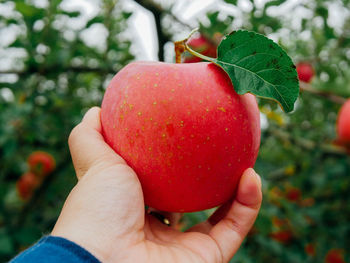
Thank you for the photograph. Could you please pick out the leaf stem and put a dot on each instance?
(195, 53)
(181, 46)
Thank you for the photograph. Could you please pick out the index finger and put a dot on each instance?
(87, 146)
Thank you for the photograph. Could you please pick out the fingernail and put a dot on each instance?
(257, 177)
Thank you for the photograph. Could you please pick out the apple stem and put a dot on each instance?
(179, 49)
(181, 46)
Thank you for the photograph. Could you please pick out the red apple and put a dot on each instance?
(41, 163)
(278, 222)
(293, 194)
(307, 202)
(26, 184)
(282, 232)
(305, 71)
(201, 45)
(335, 256)
(282, 236)
(184, 130)
(310, 249)
(343, 125)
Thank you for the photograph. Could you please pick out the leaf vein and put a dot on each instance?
(255, 55)
(271, 84)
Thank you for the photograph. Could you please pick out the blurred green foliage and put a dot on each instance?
(44, 94)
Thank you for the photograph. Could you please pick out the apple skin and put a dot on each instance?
(343, 125)
(305, 71)
(184, 130)
(201, 45)
(41, 163)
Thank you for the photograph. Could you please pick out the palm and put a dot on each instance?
(161, 243)
(156, 240)
(164, 244)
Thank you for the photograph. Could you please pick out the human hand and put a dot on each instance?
(105, 214)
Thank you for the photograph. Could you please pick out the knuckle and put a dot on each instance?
(234, 226)
(74, 134)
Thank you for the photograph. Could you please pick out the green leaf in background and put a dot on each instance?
(6, 245)
(274, 3)
(96, 19)
(233, 2)
(257, 65)
(28, 10)
(70, 13)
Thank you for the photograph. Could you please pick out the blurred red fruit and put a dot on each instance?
(335, 256)
(343, 125)
(41, 163)
(293, 194)
(201, 45)
(282, 236)
(310, 250)
(26, 185)
(277, 222)
(305, 71)
(307, 202)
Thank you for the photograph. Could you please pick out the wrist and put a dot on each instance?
(88, 244)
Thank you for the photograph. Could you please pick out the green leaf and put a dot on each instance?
(29, 10)
(11, 21)
(20, 43)
(257, 65)
(233, 2)
(213, 17)
(96, 19)
(70, 13)
(6, 246)
(274, 3)
(126, 15)
(322, 11)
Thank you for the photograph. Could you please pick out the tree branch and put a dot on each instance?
(308, 144)
(54, 69)
(325, 94)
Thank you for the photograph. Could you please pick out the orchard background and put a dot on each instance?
(56, 61)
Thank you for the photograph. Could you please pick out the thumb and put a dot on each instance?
(87, 146)
(230, 231)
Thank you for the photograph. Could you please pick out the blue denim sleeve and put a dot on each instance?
(52, 249)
